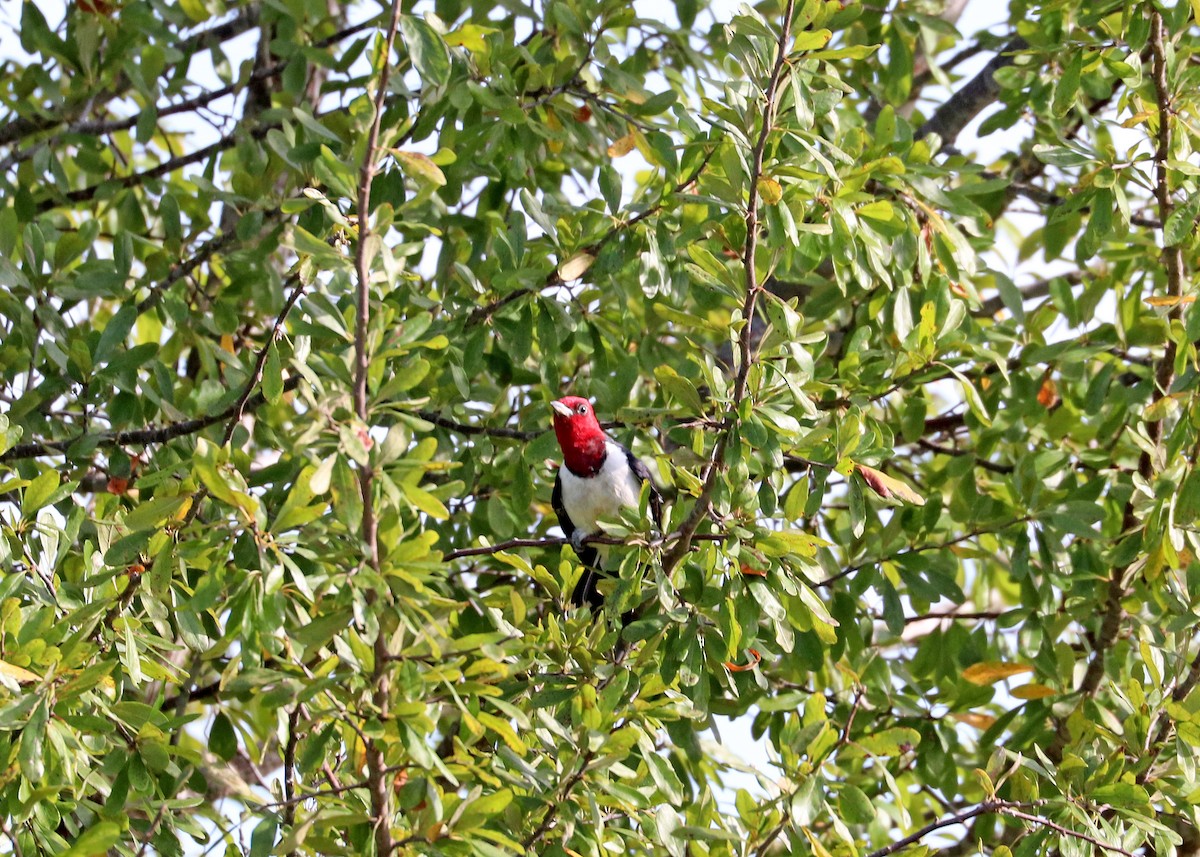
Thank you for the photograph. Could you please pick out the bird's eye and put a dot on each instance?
(581, 409)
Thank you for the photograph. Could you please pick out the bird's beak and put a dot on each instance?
(561, 409)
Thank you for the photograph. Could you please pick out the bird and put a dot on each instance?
(598, 478)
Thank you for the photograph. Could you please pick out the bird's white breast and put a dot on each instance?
(589, 498)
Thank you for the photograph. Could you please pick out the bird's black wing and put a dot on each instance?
(643, 473)
(586, 591)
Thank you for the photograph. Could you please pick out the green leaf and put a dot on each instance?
(1127, 795)
(810, 40)
(33, 735)
(222, 739)
(1182, 222)
(95, 841)
(421, 168)
(426, 502)
(680, 389)
(128, 549)
(1060, 156)
(39, 492)
(153, 512)
(428, 51)
(1068, 85)
(890, 742)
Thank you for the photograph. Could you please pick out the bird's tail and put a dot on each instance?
(587, 590)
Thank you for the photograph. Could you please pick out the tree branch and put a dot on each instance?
(289, 770)
(564, 791)
(1014, 812)
(14, 128)
(983, 531)
(206, 251)
(1164, 375)
(100, 127)
(979, 461)
(985, 808)
(559, 541)
(378, 785)
(1030, 291)
(483, 313)
(89, 193)
(716, 461)
(239, 407)
(136, 437)
(948, 121)
(467, 429)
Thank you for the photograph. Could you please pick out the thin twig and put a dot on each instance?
(101, 127)
(979, 461)
(1064, 831)
(150, 831)
(138, 437)
(983, 531)
(1164, 376)
(289, 771)
(378, 785)
(238, 410)
(745, 342)
(985, 808)
(14, 128)
(559, 541)
(564, 791)
(483, 313)
(489, 431)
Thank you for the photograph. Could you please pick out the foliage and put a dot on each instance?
(932, 522)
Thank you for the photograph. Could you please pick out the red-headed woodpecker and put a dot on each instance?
(597, 479)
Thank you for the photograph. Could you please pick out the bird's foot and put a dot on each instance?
(577, 538)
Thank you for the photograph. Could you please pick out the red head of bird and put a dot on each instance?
(579, 435)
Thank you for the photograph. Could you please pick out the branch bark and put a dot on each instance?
(716, 462)
(136, 437)
(483, 313)
(559, 541)
(956, 113)
(1164, 375)
(378, 785)
(13, 128)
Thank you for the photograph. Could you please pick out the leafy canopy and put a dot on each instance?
(279, 328)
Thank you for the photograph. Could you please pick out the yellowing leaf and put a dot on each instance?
(421, 167)
(755, 659)
(1033, 691)
(990, 672)
(818, 849)
(769, 190)
(1137, 119)
(974, 718)
(576, 266)
(17, 673)
(470, 36)
(1158, 410)
(887, 487)
(879, 210)
(426, 502)
(1048, 393)
(622, 147)
(810, 40)
(890, 742)
(1171, 300)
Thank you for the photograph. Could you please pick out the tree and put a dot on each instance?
(278, 343)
